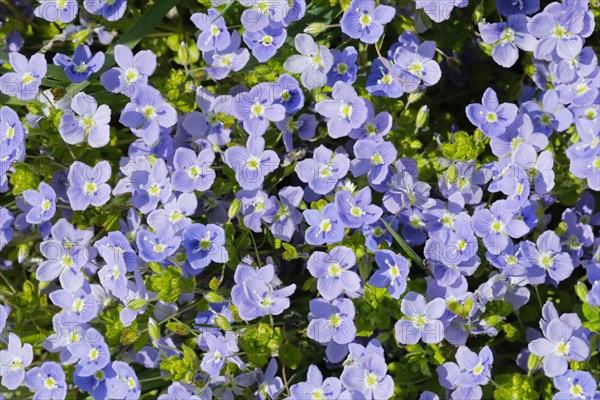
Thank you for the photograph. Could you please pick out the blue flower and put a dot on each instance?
(47, 381)
(54, 11)
(547, 259)
(364, 20)
(507, 38)
(313, 64)
(96, 384)
(316, 386)
(174, 213)
(324, 170)
(491, 117)
(573, 384)
(132, 72)
(86, 122)
(344, 66)
(332, 321)
(344, 111)
(15, 359)
(283, 214)
(264, 43)
(204, 244)
(111, 10)
(291, 95)
(88, 185)
(93, 355)
(157, 246)
(257, 107)
(419, 62)
(251, 163)
(193, 172)
(496, 225)
(213, 31)
(334, 272)
(254, 294)
(325, 226)
(356, 211)
(78, 306)
(147, 113)
(82, 65)
(369, 377)
(232, 58)
(373, 159)
(392, 273)
(42, 202)
(150, 187)
(421, 321)
(558, 346)
(26, 78)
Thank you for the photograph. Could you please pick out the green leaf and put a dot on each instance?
(290, 355)
(141, 341)
(405, 247)
(290, 252)
(310, 285)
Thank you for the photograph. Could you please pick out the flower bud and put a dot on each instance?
(315, 28)
(422, 116)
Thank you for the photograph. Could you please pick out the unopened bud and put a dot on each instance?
(315, 28)
(183, 53)
(478, 13)
(422, 116)
(81, 36)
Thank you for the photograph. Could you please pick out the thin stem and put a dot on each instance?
(8, 283)
(285, 381)
(537, 293)
(385, 62)
(255, 250)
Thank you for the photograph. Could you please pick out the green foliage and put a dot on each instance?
(24, 178)
(408, 250)
(290, 252)
(464, 147)
(260, 342)
(592, 316)
(290, 355)
(460, 309)
(182, 369)
(169, 284)
(374, 311)
(514, 386)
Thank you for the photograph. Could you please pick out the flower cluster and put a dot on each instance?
(299, 200)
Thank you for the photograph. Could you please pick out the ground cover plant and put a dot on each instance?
(281, 199)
